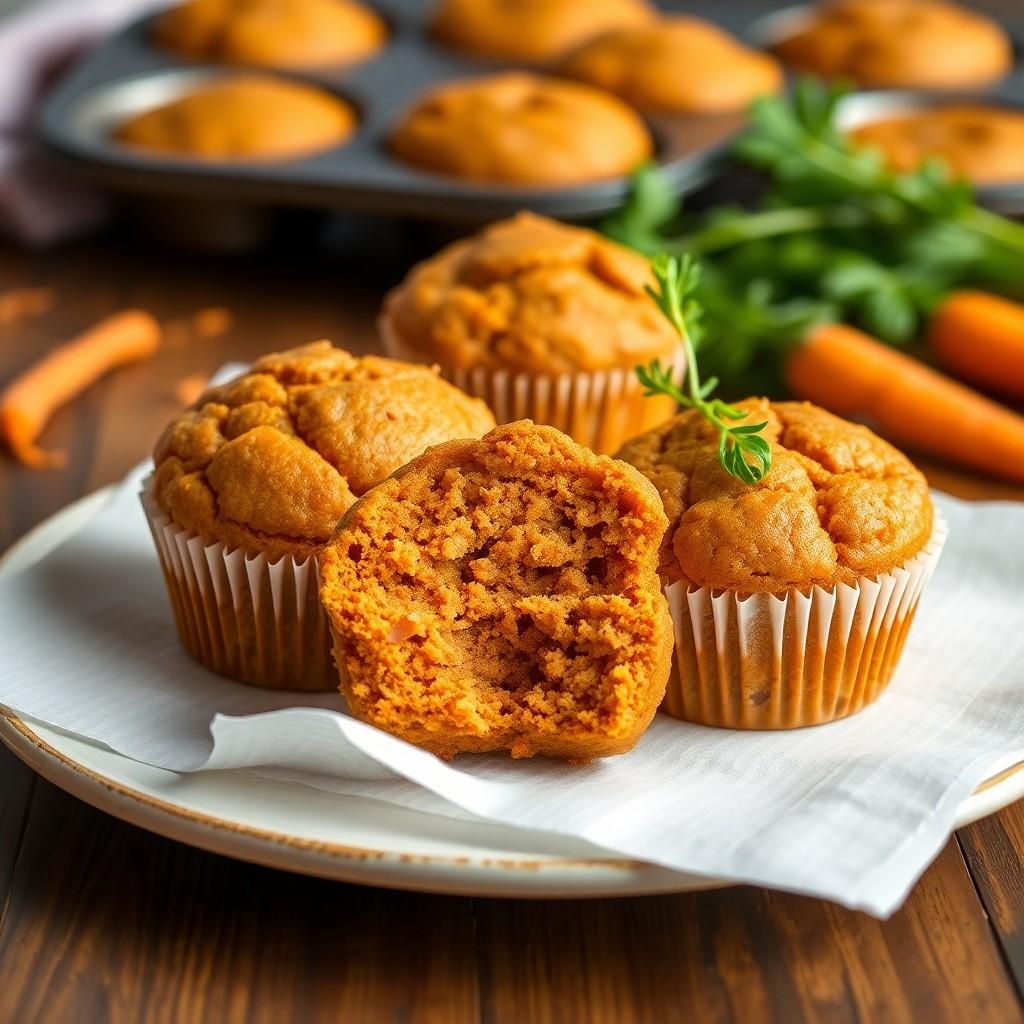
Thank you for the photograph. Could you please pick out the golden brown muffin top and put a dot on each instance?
(503, 594)
(680, 65)
(531, 31)
(838, 502)
(270, 461)
(927, 44)
(272, 33)
(530, 294)
(982, 144)
(522, 129)
(244, 117)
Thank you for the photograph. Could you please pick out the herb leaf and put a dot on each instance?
(742, 451)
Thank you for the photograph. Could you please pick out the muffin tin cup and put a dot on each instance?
(598, 408)
(243, 616)
(781, 661)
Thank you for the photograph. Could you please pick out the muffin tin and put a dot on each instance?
(128, 74)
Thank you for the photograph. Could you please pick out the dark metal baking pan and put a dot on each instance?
(127, 74)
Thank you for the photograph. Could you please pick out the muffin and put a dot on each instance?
(792, 597)
(678, 65)
(253, 478)
(521, 129)
(923, 44)
(502, 594)
(244, 117)
(272, 33)
(542, 320)
(530, 31)
(984, 144)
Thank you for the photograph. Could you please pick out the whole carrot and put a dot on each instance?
(980, 338)
(854, 375)
(28, 402)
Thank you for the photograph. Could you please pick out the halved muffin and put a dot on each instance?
(502, 594)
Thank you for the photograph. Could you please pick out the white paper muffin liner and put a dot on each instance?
(601, 409)
(243, 616)
(780, 661)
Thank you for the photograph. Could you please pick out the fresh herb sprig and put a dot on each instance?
(742, 451)
(837, 236)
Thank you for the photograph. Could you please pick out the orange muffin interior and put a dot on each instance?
(503, 594)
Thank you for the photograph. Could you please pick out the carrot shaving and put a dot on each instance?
(212, 322)
(28, 402)
(189, 388)
(20, 303)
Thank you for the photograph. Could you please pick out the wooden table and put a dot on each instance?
(102, 921)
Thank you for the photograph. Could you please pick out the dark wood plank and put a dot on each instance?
(994, 850)
(109, 923)
(746, 955)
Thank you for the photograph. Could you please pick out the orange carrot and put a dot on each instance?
(856, 376)
(980, 338)
(28, 402)
(24, 302)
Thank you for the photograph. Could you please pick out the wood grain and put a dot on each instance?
(104, 922)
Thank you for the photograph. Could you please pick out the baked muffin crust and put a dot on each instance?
(531, 294)
(270, 461)
(530, 30)
(927, 44)
(982, 144)
(244, 117)
(678, 65)
(272, 33)
(522, 129)
(838, 502)
(502, 594)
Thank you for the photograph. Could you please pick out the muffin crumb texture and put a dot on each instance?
(531, 294)
(502, 594)
(271, 460)
(838, 502)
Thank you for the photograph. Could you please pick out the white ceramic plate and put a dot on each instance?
(301, 829)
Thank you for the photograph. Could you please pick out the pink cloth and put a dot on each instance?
(39, 204)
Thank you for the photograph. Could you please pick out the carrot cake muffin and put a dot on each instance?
(834, 545)
(259, 471)
(984, 144)
(272, 33)
(502, 594)
(676, 65)
(531, 31)
(540, 319)
(244, 117)
(522, 129)
(926, 44)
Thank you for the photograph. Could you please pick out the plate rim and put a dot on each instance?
(444, 872)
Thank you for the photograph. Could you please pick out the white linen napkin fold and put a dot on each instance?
(852, 812)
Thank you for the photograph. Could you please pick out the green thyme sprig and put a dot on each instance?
(742, 451)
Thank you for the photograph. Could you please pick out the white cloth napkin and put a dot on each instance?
(851, 812)
(38, 203)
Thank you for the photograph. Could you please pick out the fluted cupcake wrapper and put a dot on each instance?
(770, 661)
(243, 616)
(601, 409)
